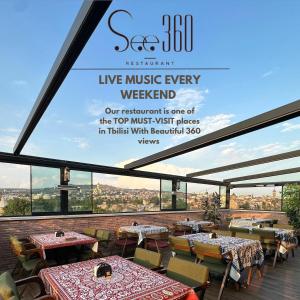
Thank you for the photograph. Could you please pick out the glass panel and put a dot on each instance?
(222, 196)
(45, 194)
(114, 194)
(181, 196)
(81, 198)
(14, 190)
(166, 194)
(260, 198)
(199, 196)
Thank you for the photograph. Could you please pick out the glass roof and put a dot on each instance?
(261, 77)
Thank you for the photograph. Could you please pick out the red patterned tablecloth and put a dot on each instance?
(50, 241)
(129, 281)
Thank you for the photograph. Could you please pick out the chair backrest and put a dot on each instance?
(247, 236)
(234, 230)
(147, 258)
(180, 246)
(158, 236)
(222, 232)
(187, 272)
(89, 231)
(183, 228)
(16, 245)
(266, 236)
(103, 235)
(204, 250)
(8, 289)
(283, 226)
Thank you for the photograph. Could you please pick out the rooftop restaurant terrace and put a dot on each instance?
(69, 233)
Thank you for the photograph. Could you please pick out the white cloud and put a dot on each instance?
(269, 72)
(7, 142)
(287, 126)
(14, 176)
(19, 82)
(157, 167)
(81, 143)
(9, 130)
(216, 122)
(96, 107)
(187, 98)
(207, 124)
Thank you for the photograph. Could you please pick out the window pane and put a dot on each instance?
(45, 194)
(222, 196)
(113, 193)
(14, 190)
(201, 195)
(181, 196)
(166, 194)
(259, 198)
(81, 198)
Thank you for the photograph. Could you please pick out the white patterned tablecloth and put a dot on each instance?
(244, 252)
(195, 225)
(142, 230)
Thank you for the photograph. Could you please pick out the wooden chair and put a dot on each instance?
(180, 229)
(188, 273)
(234, 230)
(125, 241)
(268, 242)
(217, 263)
(90, 231)
(157, 241)
(181, 248)
(283, 226)
(9, 287)
(222, 232)
(28, 255)
(90, 252)
(146, 258)
(255, 237)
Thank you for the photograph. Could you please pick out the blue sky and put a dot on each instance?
(258, 41)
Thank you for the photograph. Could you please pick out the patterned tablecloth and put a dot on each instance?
(50, 241)
(142, 230)
(247, 222)
(128, 281)
(285, 235)
(196, 225)
(245, 253)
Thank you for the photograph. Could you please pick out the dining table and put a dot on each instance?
(243, 252)
(248, 222)
(49, 241)
(128, 281)
(142, 230)
(195, 224)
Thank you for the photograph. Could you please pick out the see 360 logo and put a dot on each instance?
(177, 30)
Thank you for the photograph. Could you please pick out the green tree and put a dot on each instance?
(17, 207)
(291, 203)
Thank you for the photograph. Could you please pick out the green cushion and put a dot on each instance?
(7, 282)
(214, 266)
(30, 264)
(186, 257)
(143, 263)
(182, 279)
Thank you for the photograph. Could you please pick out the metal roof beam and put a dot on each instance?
(87, 19)
(78, 166)
(248, 163)
(262, 184)
(262, 175)
(269, 118)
